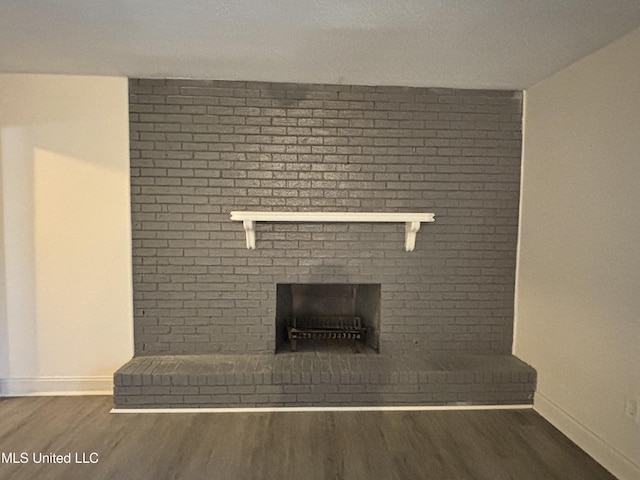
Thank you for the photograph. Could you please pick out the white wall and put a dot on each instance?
(578, 276)
(65, 298)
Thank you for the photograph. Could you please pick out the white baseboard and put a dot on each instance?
(613, 460)
(28, 386)
(388, 408)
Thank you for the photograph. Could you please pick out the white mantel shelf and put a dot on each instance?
(412, 221)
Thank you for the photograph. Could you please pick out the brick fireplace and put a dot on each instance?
(201, 149)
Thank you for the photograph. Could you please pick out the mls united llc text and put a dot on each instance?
(54, 458)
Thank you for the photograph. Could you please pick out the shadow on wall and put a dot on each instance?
(66, 231)
(73, 226)
(56, 224)
(18, 233)
(4, 330)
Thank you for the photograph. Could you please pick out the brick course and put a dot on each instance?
(200, 149)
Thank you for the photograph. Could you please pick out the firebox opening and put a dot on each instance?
(323, 304)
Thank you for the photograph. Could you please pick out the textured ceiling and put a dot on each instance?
(452, 43)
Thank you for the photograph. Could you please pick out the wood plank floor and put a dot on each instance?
(460, 445)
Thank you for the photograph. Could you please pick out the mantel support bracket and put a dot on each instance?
(410, 230)
(250, 230)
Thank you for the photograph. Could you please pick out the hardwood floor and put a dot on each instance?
(460, 445)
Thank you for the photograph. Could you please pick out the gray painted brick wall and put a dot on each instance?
(200, 149)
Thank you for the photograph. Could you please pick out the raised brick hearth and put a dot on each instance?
(201, 149)
(321, 378)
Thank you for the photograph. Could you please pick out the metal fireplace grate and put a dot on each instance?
(326, 327)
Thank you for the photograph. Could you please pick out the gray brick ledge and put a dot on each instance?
(321, 379)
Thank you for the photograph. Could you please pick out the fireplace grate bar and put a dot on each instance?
(326, 327)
